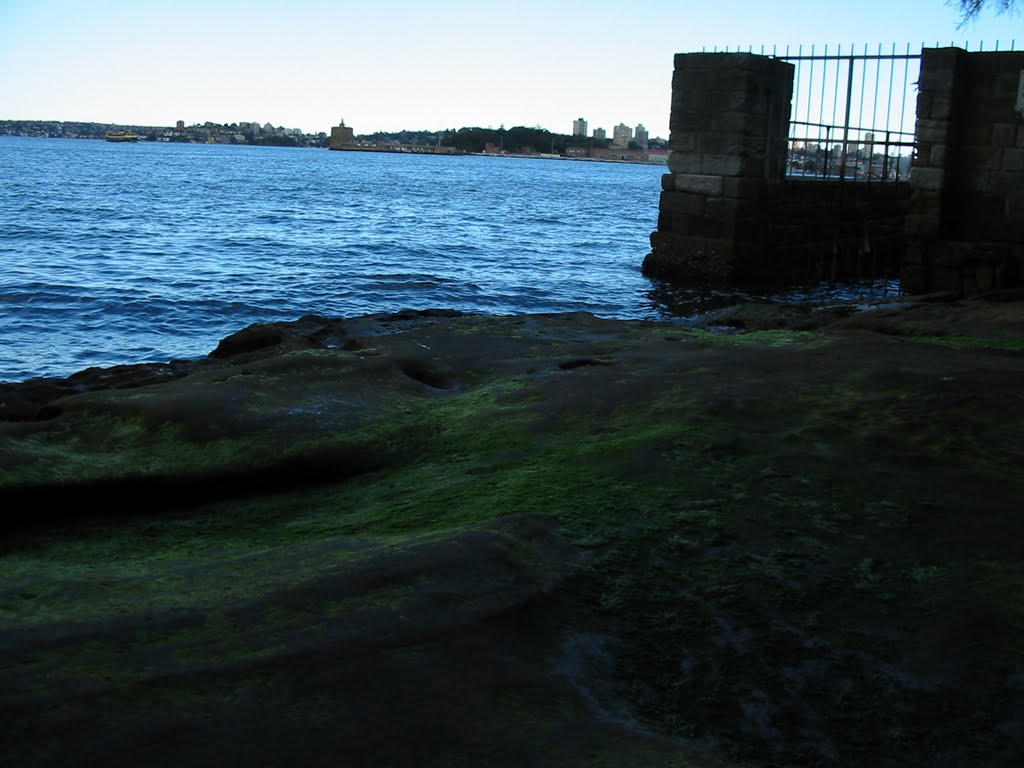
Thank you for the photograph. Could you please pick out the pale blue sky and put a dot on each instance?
(416, 65)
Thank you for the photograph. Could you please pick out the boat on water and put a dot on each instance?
(121, 136)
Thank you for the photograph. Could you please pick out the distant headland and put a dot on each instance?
(516, 141)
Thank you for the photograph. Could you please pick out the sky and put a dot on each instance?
(416, 65)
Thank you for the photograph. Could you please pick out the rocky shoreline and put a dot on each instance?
(431, 538)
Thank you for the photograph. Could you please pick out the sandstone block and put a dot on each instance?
(705, 185)
(683, 141)
(924, 103)
(745, 188)
(684, 162)
(1004, 86)
(927, 178)
(711, 228)
(936, 155)
(1013, 160)
(1014, 204)
(941, 107)
(932, 131)
(682, 202)
(979, 182)
(980, 158)
(732, 165)
(1004, 135)
(731, 209)
(731, 144)
(739, 122)
(936, 81)
(922, 225)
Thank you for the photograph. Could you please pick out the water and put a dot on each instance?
(127, 253)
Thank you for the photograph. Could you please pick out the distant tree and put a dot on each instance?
(972, 8)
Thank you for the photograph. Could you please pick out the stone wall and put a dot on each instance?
(965, 228)
(831, 230)
(727, 215)
(728, 128)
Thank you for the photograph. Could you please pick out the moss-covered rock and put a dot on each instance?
(537, 540)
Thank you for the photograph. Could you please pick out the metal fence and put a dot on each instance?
(853, 111)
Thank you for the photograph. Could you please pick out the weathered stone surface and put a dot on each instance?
(732, 165)
(682, 202)
(359, 563)
(974, 159)
(1013, 162)
(704, 185)
(745, 188)
(931, 131)
(928, 179)
(1004, 135)
(683, 141)
(684, 162)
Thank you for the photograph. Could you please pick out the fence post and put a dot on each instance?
(936, 135)
(728, 129)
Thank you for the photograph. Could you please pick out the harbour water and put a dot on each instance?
(125, 253)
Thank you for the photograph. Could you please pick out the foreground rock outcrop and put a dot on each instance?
(441, 539)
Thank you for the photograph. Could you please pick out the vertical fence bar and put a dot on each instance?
(888, 106)
(874, 96)
(863, 87)
(824, 84)
(903, 110)
(846, 120)
(810, 96)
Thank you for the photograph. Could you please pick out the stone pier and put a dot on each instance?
(965, 228)
(728, 129)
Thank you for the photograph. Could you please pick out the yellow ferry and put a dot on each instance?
(121, 136)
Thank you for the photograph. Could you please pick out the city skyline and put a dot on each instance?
(409, 67)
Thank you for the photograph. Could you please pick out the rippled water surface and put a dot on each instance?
(125, 253)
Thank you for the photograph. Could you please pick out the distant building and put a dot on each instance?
(641, 137)
(620, 154)
(579, 127)
(622, 134)
(341, 136)
(599, 134)
(657, 156)
(180, 125)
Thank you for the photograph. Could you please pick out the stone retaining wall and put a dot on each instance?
(966, 224)
(727, 215)
(728, 129)
(825, 230)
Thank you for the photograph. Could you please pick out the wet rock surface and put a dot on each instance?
(429, 538)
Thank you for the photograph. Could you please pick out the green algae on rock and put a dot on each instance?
(785, 546)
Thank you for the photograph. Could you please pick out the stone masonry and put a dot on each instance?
(728, 128)
(965, 229)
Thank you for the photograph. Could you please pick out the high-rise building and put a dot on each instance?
(640, 137)
(622, 134)
(599, 134)
(579, 127)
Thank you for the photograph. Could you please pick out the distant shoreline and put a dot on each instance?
(424, 150)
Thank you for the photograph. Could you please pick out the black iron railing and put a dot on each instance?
(852, 114)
